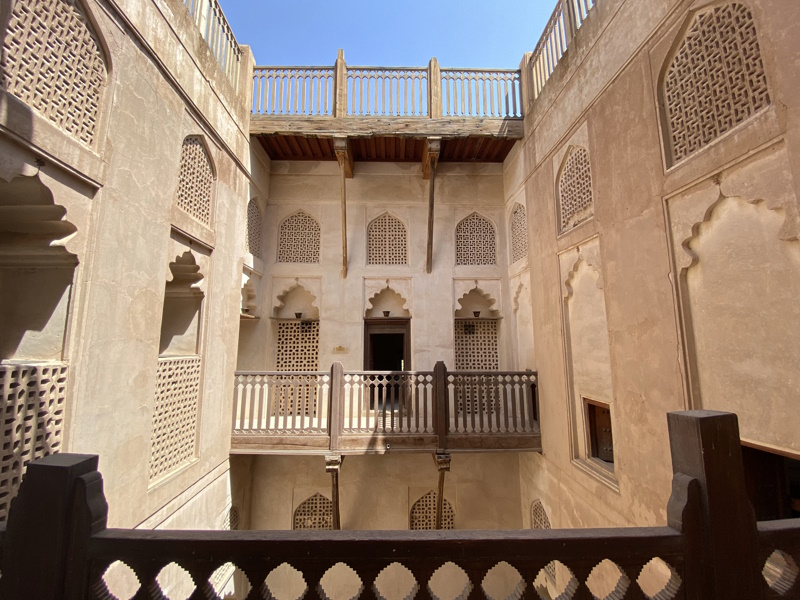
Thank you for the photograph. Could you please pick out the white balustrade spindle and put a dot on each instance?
(378, 91)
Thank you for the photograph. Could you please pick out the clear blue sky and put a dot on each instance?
(460, 33)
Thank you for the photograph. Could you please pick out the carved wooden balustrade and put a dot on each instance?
(217, 33)
(57, 545)
(383, 411)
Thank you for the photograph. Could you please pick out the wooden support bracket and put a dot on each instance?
(333, 464)
(443, 465)
(345, 158)
(430, 159)
(341, 146)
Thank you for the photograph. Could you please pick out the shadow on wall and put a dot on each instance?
(36, 271)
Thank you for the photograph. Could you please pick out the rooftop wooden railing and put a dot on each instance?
(382, 411)
(217, 33)
(57, 544)
(343, 91)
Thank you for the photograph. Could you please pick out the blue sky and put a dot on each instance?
(460, 33)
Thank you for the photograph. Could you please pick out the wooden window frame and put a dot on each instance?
(593, 451)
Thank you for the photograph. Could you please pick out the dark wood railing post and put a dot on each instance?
(440, 416)
(705, 446)
(333, 464)
(47, 532)
(335, 404)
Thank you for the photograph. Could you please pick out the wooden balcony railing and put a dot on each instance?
(57, 544)
(381, 411)
(401, 92)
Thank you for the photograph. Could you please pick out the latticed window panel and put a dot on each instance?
(519, 233)
(298, 239)
(52, 61)
(387, 241)
(423, 513)
(298, 350)
(175, 414)
(476, 350)
(540, 520)
(475, 241)
(716, 79)
(575, 199)
(32, 420)
(315, 512)
(253, 240)
(196, 180)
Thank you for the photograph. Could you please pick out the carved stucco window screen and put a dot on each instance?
(715, 79)
(387, 241)
(575, 198)
(298, 350)
(423, 513)
(53, 61)
(315, 512)
(476, 349)
(475, 241)
(195, 180)
(540, 520)
(299, 239)
(254, 223)
(519, 232)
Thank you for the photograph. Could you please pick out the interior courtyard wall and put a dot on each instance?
(432, 300)
(607, 84)
(163, 85)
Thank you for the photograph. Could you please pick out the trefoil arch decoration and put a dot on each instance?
(315, 512)
(254, 224)
(299, 239)
(54, 61)
(423, 513)
(519, 232)
(574, 189)
(196, 180)
(475, 241)
(387, 241)
(714, 80)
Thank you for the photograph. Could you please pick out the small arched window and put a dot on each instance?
(423, 513)
(315, 512)
(195, 180)
(253, 240)
(575, 200)
(387, 241)
(519, 233)
(298, 239)
(475, 241)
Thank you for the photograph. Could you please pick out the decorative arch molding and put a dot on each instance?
(477, 300)
(491, 288)
(587, 256)
(521, 286)
(403, 286)
(476, 240)
(387, 240)
(299, 237)
(699, 106)
(185, 275)
(387, 300)
(63, 28)
(296, 298)
(249, 299)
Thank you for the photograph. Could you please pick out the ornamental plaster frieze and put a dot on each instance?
(490, 288)
(403, 286)
(570, 261)
(282, 286)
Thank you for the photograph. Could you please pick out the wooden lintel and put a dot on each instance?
(341, 146)
(430, 157)
(446, 127)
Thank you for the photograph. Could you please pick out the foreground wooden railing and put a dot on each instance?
(381, 411)
(343, 91)
(57, 545)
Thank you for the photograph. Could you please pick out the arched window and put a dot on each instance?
(715, 79)
(539, 520)
(315, 512)
(475, 241)
(575, 201)
(53, 61)
(423, 513)
(298, 239)
(253, 240)
(519, 233)
(387, 241)
(195, 180)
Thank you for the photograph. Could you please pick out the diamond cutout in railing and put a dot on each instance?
(285, 582)
(607, 581)
(222, 579)
(780, 572)
(503, 582)
(175, 582)
(658, 580)
(558, 581)
(340, 582)
(120, 581)
(395, 582)
(449, 582)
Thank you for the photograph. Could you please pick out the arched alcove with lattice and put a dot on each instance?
(53, 61)
(518, 227)
(315, 512)
(475, 241)
(299, 239)
(423, 513)
(387, 241)
(387, 301)
(574, 189)
(196, 180)
(702, 104)
(254, 225)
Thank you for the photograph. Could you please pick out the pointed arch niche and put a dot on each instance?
(476, 332)
(476, 242)
(387, 241)
(737, 254)
(387, 301)
(299, 239)
(297, 330)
